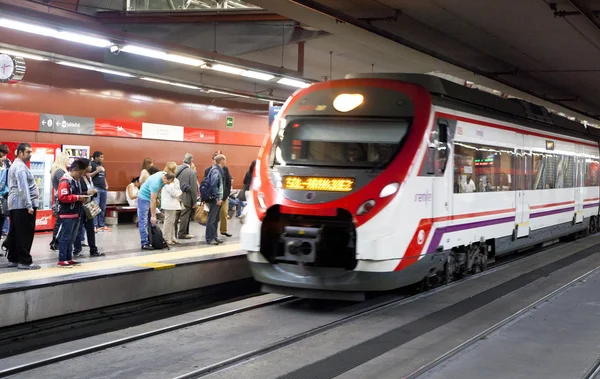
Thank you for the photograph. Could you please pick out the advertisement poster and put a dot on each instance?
(76, 152)
(273, 112)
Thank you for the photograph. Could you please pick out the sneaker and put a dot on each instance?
(176, 242)
(63, 264)
(84, 244)
(74, 263)
(96, 254)
(147, 247)
(188, 236)
(218, 240)
(227, 234)
(12, 264)
(78, 254)
(105, 229)
(28, 267)
(213, 243)
(53, 247)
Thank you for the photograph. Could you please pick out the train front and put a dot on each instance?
(325, 192)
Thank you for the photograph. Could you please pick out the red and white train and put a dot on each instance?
(381, 181)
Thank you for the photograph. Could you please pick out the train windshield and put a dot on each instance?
(340, 143)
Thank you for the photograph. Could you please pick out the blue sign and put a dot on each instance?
(273, 111)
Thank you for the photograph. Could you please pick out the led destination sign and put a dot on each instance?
(308, 183)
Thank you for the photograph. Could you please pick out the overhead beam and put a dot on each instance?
(586, 12)
(117, 17)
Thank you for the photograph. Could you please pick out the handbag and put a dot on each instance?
(91, 209)
(201, 214)
(3, 206)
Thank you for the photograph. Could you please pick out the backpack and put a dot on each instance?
(156, 238)
(205, 190)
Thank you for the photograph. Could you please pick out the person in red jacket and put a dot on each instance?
(70, 198)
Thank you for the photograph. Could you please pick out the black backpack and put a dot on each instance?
(156, 238)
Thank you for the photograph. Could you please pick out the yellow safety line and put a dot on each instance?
(51, 272)
(157, 265)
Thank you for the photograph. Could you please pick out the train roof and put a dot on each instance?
(537, 116)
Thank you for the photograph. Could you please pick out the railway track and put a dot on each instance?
(371, 307)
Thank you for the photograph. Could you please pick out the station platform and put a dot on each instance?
(124, 274)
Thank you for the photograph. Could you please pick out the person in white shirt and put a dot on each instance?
(470, 185)
(170, 202)
(131, 192)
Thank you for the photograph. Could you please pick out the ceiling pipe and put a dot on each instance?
(301, 58)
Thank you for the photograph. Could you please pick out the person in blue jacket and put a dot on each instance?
(215, 180)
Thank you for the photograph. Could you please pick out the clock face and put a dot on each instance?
(7, 67)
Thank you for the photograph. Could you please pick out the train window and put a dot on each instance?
(340, 143)
(565, 172)
(442, 148)
(482, 168)
(591, 172)
(544, 171)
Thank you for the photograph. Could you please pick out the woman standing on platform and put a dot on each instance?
(57, 171)
(170, 200)
(145, 174)
(87, 225)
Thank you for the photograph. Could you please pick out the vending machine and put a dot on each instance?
(76, 152)
(40, 164)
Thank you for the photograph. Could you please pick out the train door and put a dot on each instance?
(579, 183)
(523, 164)
(443, 178)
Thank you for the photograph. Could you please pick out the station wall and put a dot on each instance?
(56, 90)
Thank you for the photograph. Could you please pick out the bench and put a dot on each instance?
(116, 203)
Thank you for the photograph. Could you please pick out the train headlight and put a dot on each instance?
(389, 190)
(365, 207)
(346, 102)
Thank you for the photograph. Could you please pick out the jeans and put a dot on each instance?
(143, 213)
(99, 220)
(4, 229)
(86, 228)
(212, 223)
(238, 204)
(67, 236)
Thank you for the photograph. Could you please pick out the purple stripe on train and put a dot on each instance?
(592, 205)
(552, 212)
(439, 232)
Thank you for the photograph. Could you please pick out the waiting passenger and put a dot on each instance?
(70, 197)
(147, 203)
(87, 225)
(100, 183)
(4, 166)
(145, 174)
(170, 204)
(188, 180)
(57, 171)
(214, 202)
(23, 202)
(131, 192)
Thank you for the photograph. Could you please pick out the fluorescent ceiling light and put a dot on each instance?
(170, 83)
(92, 68)
(29, 28)
(184, 60)
(23, 55)
(228, 69)
(156, 80)
(151, 53)
(226, 93)
(258, 75)
(82, 38)
(293, 83)
(184, 85)
(159, 54)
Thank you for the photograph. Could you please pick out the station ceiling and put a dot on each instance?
(546, 51)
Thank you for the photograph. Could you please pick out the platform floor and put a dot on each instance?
(122, 241)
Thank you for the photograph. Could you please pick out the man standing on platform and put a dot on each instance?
(227, 183)
(215, 200)
(188, 181)
(23, 201)
(98, 175)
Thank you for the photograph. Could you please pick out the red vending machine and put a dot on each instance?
(40, 164)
